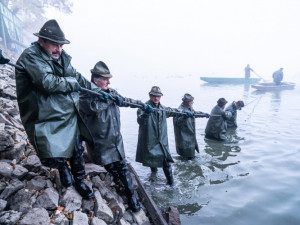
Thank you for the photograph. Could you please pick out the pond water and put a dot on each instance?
(253, 179)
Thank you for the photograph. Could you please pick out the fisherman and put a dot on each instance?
(216, 125)
(184, 128)
(47, 94)
(278, 76)
(152, 148)
(233, 107)
(247, 71)
(103, 120)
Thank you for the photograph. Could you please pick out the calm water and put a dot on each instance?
(254, 179)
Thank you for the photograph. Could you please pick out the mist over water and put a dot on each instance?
(254, 179)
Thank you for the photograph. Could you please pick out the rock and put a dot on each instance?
(97, 221)
(9, 217)
(5, 169)
(118, 208)
(15, 152)
(48, 200)
(102, 211)
(128, 217)
(93, 169)
(123, 222)
(3, 204)
(30, 175)
(2, 186)
(87, 206)
(19, 172)
(4, 120)
(22, 201)
(37, 183)
(71, 200)
(141, 218)
(36, 216)
(80, 218)
(8, 92)
(60, 219)
(32, 163)
(13, 187)
(106, 193)
(6, 141)
(48, 183)
(172, 215)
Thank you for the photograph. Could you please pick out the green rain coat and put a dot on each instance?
(216, 126)
(185, 133)
(153, 144)
(103, 122)
(49, 108)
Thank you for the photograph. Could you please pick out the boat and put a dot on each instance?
(270, 86)
(230, 80)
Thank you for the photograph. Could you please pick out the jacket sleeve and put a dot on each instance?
(142, 117)
(129, 100)
(179, 120)
(82, 80)
(42, 76)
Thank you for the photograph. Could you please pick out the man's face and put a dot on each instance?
(53, 49)
(189, 104)
(155, 99)
(102, 82)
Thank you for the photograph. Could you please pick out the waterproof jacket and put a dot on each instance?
(216, 126)
(277, 76)
(153, 144)
(185, 133)
(103, 122)
(49, 107)
(231, 123)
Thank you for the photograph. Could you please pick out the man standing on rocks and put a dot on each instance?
(47, 94)
(103, 120)
(153, 148)
(185, 128)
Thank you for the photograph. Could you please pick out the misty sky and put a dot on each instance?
(171, 37)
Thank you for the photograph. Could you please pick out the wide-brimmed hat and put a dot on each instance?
(155, 90)
(101, 69)
(52, 31)
(221, 102)
(187, 98)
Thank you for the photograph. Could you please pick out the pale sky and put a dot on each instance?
(174, 37)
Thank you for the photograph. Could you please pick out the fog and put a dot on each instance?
(191, 37)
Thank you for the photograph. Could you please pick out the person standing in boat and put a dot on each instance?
(278, 76)
(184, 128)
(103, 120)
(216, 126)
(247, 71)
(233, 107)
(48, 99)
(153, 148)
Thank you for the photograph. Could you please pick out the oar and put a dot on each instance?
(258, 75)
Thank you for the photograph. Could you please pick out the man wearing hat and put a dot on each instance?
(216, 126)
(233, 107)
(49, 105)
(278, 76)
(184, 128)
(153, 148)
(103, 120)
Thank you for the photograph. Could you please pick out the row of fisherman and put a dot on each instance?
(57, 119)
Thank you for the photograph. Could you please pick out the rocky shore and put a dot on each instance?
(31, 194)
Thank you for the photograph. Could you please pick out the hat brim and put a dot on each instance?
(101, 74)
(50, 39)
(155, 94)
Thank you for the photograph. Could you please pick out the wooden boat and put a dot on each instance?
(273, 87)
(230, 80)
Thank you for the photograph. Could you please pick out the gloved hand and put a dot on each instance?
(189, 114)
(206, 115)
(104, 96)
(147, 108)
(3, 60)
(233, 112)
(119, 101)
